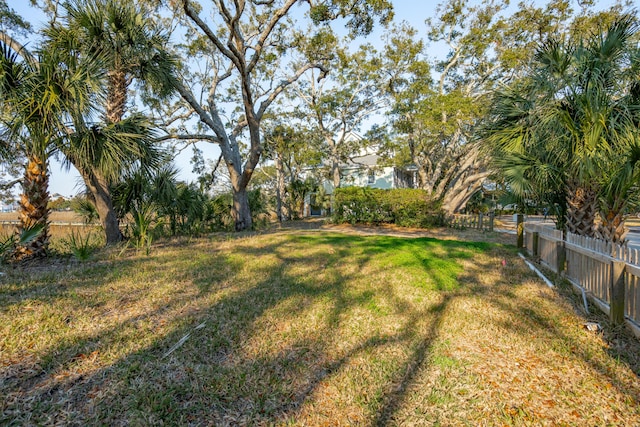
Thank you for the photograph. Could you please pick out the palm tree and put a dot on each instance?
(131, 44)
(38, 97)
(102, 153)
(570, 125)
(617, 195)
(129, 48)
(146, 195)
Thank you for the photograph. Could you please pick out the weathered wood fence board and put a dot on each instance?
(590, 270)
(543, 241)
(477, 222)
(632, 292)
(591, 264)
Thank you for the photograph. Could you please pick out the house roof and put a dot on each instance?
(366, 160)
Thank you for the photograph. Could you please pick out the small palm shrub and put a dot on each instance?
(81, 247)
(10, 244)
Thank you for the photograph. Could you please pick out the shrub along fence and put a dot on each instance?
(608, 274)
(405, 207)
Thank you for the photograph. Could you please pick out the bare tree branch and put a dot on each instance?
(188, 96)
(283, 85)
(191, 13)
(277, 16)
(189, 137)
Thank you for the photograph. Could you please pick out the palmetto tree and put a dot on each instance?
(38, 97)
(129, 48)
(132, 47)
(618, 194)
(572, 123)
(102, 153)
(146, 196)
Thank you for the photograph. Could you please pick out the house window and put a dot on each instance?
(372, 177)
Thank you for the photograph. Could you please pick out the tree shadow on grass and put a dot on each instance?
(57, 310)
(574, 344)
(396, 394)
(221, 375)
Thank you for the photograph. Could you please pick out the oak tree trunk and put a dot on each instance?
(240, 210)
(458, 195)
(281, 210)
(334, 158)
(423, 179)
(335, 174)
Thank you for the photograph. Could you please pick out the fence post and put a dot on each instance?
(480, 217)
(561, 255)
(536, 241)
(617, 292)
(491, 218)
(520, 228)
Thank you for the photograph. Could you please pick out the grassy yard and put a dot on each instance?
(306, 328)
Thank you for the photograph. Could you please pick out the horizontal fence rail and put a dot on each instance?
(608, 273)
(56, 223)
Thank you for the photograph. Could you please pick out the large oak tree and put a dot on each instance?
(249, 52)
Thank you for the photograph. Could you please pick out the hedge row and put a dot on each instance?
(404, 206)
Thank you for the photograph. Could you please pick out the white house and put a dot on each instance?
(364, 170)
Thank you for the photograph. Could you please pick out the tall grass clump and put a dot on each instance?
(81, 247)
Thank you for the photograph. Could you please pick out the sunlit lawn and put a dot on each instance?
(310, 328)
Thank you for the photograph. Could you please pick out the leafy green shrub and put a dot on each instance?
(259, 207)
(297, 190)
(142, 229)
(218, 212)
(186, 210)
(404, 207)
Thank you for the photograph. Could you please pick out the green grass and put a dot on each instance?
(310, 328)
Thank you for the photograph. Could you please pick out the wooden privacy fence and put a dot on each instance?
(483, 222)
(608, 274)
(56, 229)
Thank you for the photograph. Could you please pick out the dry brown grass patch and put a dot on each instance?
(305, 328)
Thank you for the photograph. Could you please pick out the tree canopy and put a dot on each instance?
(287, 81)
(570, 127)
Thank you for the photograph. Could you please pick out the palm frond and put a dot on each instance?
(115, 148)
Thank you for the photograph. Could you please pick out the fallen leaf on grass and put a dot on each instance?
(592, 326)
